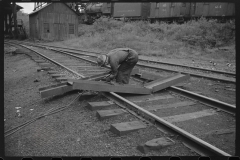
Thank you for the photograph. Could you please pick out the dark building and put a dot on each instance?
(12, 25)
(54, 21)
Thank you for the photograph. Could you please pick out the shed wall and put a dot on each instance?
(58, 17)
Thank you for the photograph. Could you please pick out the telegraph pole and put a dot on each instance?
(15, 19)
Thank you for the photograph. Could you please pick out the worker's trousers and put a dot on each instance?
(125, 69)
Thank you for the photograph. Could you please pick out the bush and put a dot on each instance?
(144, 36)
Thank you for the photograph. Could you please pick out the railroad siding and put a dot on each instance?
(53, 23)
(127, 9)
(169, 10)
(230, 9)
(214, 9)
(185, 9)
(107, 8)
(134, 10)
(217, 9)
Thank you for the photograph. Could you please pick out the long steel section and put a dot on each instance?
(192, 74)
(204, 148)
(167, 63)
(181, 65)
(205, 100)
(53, 61)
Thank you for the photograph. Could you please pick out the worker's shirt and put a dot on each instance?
(118, 56)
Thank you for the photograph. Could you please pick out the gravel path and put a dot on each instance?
(73, 132)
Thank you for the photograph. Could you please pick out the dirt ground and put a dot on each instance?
(75, 131)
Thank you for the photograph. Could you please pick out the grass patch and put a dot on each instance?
(156, 39)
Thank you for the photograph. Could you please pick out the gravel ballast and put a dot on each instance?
(75, 131)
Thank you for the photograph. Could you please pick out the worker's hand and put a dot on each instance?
(108, 79)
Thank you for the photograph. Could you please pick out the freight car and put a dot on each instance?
(93, 11)
(159, 11)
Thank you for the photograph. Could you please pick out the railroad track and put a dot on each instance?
(169, 110)
(207, 85)
(212, 74)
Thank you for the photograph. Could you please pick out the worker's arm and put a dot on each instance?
(114, 69)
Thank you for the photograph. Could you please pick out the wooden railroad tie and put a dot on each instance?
(88, 84)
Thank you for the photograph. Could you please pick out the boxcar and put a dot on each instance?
(212, 9)
(169, 10)
(107, 9)
(131, 10)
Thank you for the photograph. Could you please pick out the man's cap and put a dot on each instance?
(101, 60)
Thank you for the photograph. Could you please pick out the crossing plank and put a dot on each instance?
(99, 105)
(126, 127)
(150, 76)
(62, 79)
(55, 91)
(153, 98)
(44, 63)
(189, 116)
(105, 87)
(45, 68)
(53, 72)
(92, 70)
(162, 84)
(173, 105)
(40, 61)
(104, 114)
(135, 71)
(57, 75)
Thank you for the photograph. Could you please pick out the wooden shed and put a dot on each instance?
(54, 21)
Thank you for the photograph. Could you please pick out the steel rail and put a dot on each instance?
(202, 148)
(205, 100)
(192, 67)
(167, 63)
(53, 61)
(159, 68)
(191, 74)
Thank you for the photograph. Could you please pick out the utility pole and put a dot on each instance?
(15, 19)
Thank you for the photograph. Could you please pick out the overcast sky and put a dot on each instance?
(27, 7)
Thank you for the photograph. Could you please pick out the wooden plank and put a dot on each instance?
(62, 79)
(57, 75)
(52, 86)
(105, 87)
(97, 76)
(172, 105)
(150, 76)
(135, 71)
(55, 91)
(84, 66)
(72, 64)
(153, 98)
(162, 84)
(126, 127)
(190, 116)
(99, 105)
(53, 72)
(45, 68)
(104, 114)
(92, 70)
(40, 61)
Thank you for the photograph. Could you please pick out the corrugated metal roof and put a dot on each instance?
(48, 5)
(39, 9)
